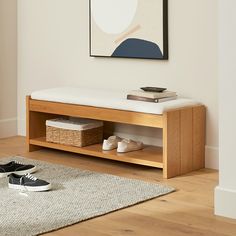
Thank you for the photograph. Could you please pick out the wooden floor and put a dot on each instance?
(189, 211)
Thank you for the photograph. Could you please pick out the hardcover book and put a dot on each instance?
(152, 95)
(156, 100)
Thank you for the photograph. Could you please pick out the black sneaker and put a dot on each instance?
(28, 183)
(17, 168)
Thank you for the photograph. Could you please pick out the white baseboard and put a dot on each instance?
(225, 202)
(212, 157)
(8, 127)
(21, 127)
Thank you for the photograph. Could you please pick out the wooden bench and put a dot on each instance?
(183, 134)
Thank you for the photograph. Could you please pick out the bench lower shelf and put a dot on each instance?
(149, 156)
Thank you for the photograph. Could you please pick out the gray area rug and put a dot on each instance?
(77, 195)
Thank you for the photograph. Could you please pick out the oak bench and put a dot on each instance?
(182, 123)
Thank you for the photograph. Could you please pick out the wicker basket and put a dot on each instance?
(79, 132)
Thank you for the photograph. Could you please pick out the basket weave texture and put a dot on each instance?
(74, 137)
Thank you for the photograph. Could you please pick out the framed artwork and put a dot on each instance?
(129, 28)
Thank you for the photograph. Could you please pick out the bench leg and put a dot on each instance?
(35, 125)
(32, 148)
(183, 141)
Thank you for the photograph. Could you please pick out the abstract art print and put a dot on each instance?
(129, 29)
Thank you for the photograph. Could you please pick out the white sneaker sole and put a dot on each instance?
(22, 172)
(30, 189)
(108, 148)
(129, 149)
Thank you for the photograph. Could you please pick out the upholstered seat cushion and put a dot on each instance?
(107, 99)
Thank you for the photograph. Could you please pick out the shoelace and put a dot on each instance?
(29, 176)
(127, 140)
(18, 162)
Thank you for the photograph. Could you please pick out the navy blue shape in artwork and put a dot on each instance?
(138, 48)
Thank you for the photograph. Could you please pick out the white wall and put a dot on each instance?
(8, 43)
(225, 194)
(53, 51)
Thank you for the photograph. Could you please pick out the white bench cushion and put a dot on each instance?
(107, 99)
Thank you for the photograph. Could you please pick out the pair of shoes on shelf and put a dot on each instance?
(20, 177)
(122, 145)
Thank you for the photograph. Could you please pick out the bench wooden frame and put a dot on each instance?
(183, 134)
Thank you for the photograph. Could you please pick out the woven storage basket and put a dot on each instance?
(75, 132)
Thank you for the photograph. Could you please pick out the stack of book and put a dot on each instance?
(140, 95)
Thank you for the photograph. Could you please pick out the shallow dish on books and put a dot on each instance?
(153, 89)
